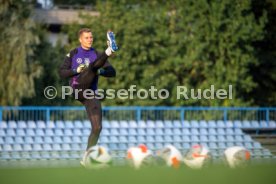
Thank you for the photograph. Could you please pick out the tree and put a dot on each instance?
(17, 41)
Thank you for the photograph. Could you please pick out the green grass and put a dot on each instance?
(261, 174)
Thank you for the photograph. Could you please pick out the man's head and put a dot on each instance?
(85, 38)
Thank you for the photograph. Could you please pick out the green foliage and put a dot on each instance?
(17, 41)
(182, 43)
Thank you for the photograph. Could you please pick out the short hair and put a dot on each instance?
(84, 30)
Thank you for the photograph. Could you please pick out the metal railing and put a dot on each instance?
(49, 113)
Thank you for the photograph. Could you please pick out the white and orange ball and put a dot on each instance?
(97, 157)
(197, 157)
(139, 156)
(237, 156)
(171, 155)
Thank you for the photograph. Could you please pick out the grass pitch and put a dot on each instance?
(254, 174)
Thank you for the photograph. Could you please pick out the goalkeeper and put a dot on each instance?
(83, 65)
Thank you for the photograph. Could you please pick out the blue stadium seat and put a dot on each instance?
(177, 131)
(47, 147)
(238, 138)
(49, 132)
(77, 132)
(229, 124)
(221, 145)
(50, 124)
(12, 124)
(247, 138)
(3, 124)
(168, 131)
(177, 124)
(38, 139)
(212, 145)
(41, 124)
(123, 131)
(27, 147)
(86, 124)
(203, 124)
(106, 124)
(48, 140)
(186, 131)
(150, 131)
(20, 132)
(114, 124)
(21, 124)
(78, 124)
(177, 138)
(203, 138)
(39, 132)
(248, 145)
(159, 131)
(149, 139)
(67, 139)
(59, 124)
(76, 139)
(150, 124)
(159, 139)
(168, 139)
(133, 124)
(229, 144)
(255, 124)
(229, 131)
(113, 146)
(10, 132)
(212, 138)
(31, 124)
(212, 131)
(203, 131)
(141, 139)
(105, 131)
(141, 131)
(2, 133)
(132, 131)
(7, 147)
(132, 139)
(68, 132)
(194, 138)
(272, 124)
(186, 124)
(66, 147)
(211, 124)
(194, 124)
(263, 124)
(68, 124)
(246, 124)
(230, 138)
(123, 139)
(142, 124)
(57, 139)
(123, 124)
(9, 140)
(113, 139)
(2, 140)
(257, 145)
(58, 132)
(37, 147)
(186, 146)
(221, 138)
(168, 124)
(114, 131)
(29, 140)
(237, 124)
(122, 146)
(220, 124)
(194, 131)
(18, 140)
(220, 131)
(76, 147)
(56, 147)
(159, 124)
(238, 131)
(86, 132)
(186, 138)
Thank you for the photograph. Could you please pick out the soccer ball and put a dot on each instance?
(171, 155)
(97, 157)
(139, 156)
(237, 156)
(197, 157)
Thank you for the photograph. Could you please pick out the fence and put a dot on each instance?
(48, 113)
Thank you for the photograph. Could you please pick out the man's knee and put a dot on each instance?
(97, 129)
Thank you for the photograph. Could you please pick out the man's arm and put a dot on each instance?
(65, 70)
(107, 70)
